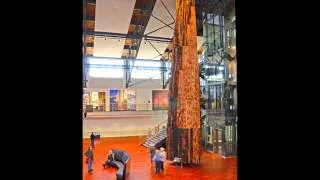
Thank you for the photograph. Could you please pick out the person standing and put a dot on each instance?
(92, 136)
(89, 155)
(152, 152)
(85, 114)
(163, 156)
(157, 159)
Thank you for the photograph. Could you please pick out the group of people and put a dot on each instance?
(156, 155)
(159, 156)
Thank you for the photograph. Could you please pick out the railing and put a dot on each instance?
(116, 133)
(154, 131)
(125, 107)
(215, 112)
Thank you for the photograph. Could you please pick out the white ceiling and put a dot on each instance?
(112, 16)
(107, 47)
(161, 13)
(115, 16)
(146, 51)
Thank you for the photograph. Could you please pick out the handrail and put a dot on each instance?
(124, 107)
(153, 131)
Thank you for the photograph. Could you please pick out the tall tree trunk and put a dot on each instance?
(183, 136)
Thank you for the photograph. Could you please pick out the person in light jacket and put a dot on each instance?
(157, 159)
(152, 152)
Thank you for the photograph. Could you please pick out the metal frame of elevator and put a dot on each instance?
(220, 107)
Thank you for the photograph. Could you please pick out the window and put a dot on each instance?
(146, 69)
(105, 73)
(105, 67)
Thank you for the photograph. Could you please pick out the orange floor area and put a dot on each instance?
(212, 166)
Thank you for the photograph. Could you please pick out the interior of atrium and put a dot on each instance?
(159, 89)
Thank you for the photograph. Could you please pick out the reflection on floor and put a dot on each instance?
(212, 166)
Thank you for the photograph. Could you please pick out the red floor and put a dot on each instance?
(212, 166)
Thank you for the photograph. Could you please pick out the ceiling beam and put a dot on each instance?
(126, 36)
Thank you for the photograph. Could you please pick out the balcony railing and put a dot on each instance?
(125, 107)
(215, 112)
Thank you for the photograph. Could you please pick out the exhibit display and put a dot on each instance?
(160, 99)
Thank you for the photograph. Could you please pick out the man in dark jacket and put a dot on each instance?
(92, 136)
(110, 160)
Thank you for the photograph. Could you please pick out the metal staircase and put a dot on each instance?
(157, 139)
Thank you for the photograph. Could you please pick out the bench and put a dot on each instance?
(177, 160)
(122, 162)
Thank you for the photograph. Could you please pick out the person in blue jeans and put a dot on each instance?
(157, 159)
(152, 152)
(89, 155)
(163, 156)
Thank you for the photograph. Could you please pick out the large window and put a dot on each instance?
(146, 69)
(105, 67)
(115, 68)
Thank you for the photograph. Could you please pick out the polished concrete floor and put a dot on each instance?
(212, 165)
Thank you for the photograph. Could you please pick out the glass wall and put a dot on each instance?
(220, 127)
(115, 68)
(105, 67)
(145, 69)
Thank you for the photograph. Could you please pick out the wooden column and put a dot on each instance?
(183, 136)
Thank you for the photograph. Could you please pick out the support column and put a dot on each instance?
(183, 132)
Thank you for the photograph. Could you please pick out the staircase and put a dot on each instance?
(156, 139)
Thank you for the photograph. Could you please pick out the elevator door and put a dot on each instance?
(230, 144)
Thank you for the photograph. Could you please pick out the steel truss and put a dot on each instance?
(137, 37)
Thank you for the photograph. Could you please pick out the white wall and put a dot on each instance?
(95, 84)
(113, 124)
(143, 89)
(104, 83)
(143, 96)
